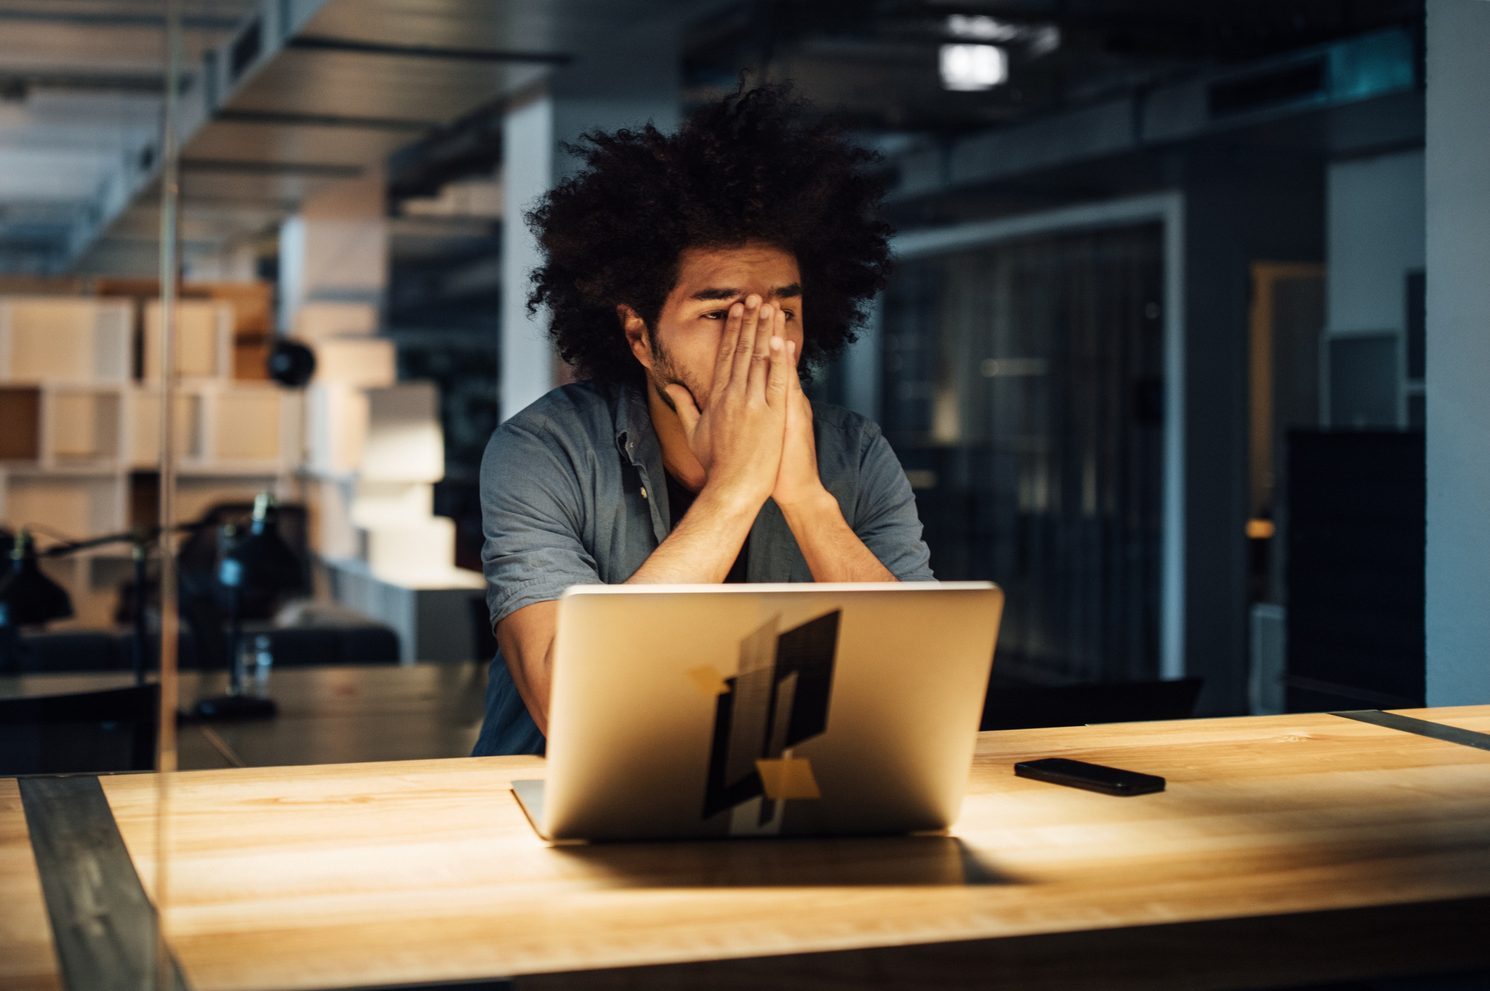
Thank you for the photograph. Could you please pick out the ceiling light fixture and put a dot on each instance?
(970, 68)
(1032, 38)
(977, 27)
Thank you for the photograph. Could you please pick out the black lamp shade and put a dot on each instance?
(261, 563)
(28, 597)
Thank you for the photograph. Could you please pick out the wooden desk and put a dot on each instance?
(1287, 850)
(327, 715)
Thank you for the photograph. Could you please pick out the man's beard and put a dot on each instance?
(663, 374)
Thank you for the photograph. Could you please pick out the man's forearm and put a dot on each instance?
(834, 553)
(702, 548)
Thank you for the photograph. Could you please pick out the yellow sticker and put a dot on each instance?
(708, 681)
(787, 778)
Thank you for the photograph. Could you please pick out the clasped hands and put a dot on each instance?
(754, 434)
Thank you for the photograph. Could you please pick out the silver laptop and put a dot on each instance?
(760, 710)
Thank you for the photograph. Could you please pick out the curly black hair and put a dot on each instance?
(754, 166)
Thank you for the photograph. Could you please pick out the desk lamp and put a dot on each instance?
(258, 561)
(27, 597)
(38, 595)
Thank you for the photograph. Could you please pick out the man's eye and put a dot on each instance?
(716, 315)
(791, 315)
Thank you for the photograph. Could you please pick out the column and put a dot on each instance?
(609, 92)
(1458, 353)
(334, 251)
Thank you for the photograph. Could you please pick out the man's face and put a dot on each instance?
(684, 346)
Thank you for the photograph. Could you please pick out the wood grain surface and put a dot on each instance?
(27, 960)
(1291, 848)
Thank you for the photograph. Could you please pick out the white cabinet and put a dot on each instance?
(59, 339)
(204, 340)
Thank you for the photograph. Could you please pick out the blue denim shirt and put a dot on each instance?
(573, 492)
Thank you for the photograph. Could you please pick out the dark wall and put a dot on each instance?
(1240, 207)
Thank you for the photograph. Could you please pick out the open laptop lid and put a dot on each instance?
(749, 710)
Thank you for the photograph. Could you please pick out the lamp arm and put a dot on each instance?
(139, 535)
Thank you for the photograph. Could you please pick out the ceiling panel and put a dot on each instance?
(36, 223)
(81, 86)
(60, 48)
(201, 222)
(359, 80)
(102, 38)
(287, 142)
(389, 87)
(552, 26)
(103, 122)
(49, 173)
(229, 10)
(248, 187)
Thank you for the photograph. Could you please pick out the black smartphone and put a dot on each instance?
(1093, 777)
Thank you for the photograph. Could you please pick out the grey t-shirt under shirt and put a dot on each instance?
(568, 498)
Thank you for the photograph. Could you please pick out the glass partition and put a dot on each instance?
(1023, 389)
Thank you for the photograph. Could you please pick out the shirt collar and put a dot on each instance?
(637, 439)
(635, 435)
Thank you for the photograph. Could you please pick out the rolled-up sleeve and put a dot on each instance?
(532, 519)
(885, 515)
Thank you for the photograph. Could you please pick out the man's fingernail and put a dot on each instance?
(775, 344)
(766, 312)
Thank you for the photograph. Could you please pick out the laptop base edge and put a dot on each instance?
(529, 795)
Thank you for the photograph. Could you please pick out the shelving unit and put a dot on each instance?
(204, 340)
(80, 408)
(250, 425)
(222, 426)
(56, 339)
(373, 456)
(75, 502)
(79, 431)
(144, 429)
(64, 369)
(20, 412)
(82, 425)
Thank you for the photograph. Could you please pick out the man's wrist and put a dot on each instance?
(722, 500)
(811, 508)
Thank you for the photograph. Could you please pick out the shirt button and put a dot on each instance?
(644, 491)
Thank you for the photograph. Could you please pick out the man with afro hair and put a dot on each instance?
(677, 273)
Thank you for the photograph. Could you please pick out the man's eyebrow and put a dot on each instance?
(790, 291)
(715, 294)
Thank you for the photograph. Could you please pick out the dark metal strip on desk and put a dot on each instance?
(103, 923)
(1422, 727)
(474, 984)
